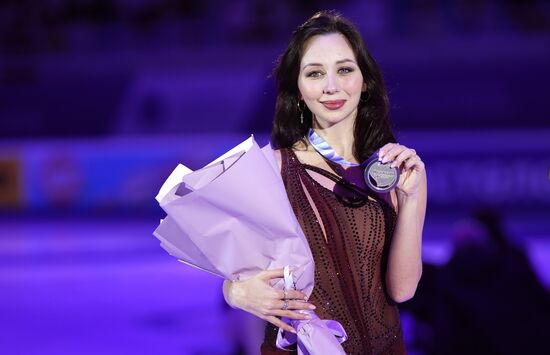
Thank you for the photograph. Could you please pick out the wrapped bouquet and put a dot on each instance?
(233, 219)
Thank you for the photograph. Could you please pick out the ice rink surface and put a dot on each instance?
(104, 286)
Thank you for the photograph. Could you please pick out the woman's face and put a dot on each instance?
(330, 80)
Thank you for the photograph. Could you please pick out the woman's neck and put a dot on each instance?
(339, 136)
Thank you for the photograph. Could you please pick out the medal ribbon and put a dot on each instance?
(326, 150)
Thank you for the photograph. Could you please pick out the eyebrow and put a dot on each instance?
(320, 65)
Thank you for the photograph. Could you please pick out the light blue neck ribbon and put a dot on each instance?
(325, 149)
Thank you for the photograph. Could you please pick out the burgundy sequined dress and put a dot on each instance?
(349, 263)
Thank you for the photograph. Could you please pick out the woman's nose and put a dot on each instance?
(331, 86)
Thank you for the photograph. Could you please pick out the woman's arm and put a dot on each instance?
(409, 199)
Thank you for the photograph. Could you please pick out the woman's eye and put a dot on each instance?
(314, 74)
(345, 70)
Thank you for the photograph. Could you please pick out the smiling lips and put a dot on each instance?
(334, 104)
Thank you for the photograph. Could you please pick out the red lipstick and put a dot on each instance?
(333, 104)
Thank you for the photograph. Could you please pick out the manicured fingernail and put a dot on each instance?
(310, 306)
(307, 316)
(292, 331)
(384, 160)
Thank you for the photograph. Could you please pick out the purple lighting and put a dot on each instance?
(100, 100)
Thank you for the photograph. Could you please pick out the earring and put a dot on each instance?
(301, 110)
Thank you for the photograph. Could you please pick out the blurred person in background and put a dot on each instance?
(366, 246)
(485, 300)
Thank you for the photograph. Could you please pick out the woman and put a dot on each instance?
(366, 246)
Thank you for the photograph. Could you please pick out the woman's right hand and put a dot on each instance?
(257, 296)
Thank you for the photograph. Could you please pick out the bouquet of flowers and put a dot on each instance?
(232, 218)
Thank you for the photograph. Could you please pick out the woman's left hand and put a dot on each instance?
(411, 167)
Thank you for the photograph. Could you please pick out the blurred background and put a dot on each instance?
(100, 100)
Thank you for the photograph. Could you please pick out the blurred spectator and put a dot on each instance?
(485, 300)
(527, 15)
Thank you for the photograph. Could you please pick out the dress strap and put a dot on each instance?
(290, 158)
(325, 173)
(340, 180)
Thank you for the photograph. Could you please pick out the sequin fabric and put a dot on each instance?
(349, 263)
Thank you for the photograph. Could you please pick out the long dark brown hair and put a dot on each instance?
(372, 126)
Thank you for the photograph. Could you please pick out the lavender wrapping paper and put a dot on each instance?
(232, 218)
